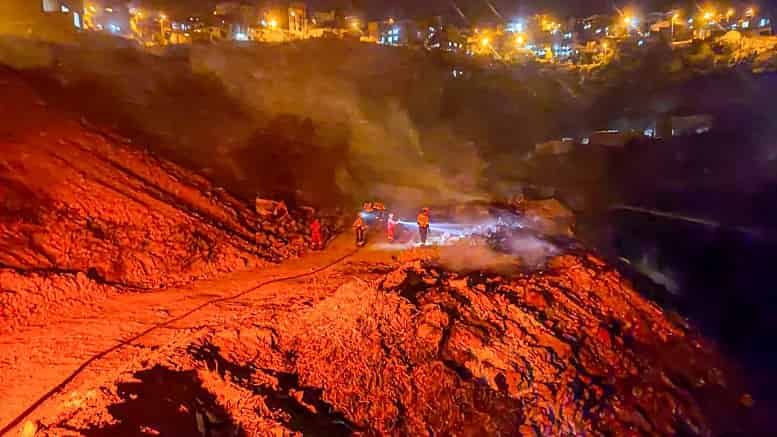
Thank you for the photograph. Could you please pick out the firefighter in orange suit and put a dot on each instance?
(423, 225)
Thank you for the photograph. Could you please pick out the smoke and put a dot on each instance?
(315, 122)
(532, 251)
(389, 155)
(526, 253)
(500, 241)
(469, 256)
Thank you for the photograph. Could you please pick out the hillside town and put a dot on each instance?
(540, 36)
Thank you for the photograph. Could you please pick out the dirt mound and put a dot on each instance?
(83, 213)
(570, 350)
(567, 351)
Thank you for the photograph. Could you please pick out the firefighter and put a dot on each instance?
(390, 225)
(360, 228)
(316, 241)
(423, 225)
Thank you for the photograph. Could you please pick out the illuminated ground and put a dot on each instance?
(382, 342)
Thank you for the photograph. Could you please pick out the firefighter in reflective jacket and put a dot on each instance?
(316, 242)
(391, 224)
(423, 225)
(360, 228)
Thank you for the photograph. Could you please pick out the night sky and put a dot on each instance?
(476, 10)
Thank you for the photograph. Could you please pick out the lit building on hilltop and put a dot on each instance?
(235, 20)
(110, 16)
(298, 20)
(46, 19)
(413, 33)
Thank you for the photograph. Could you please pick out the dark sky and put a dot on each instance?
(474, 9)
(413, 7)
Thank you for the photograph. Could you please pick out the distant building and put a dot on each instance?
(111, 17)
(236, 20)
(298, 20)
(451, 39)
(45, 19)
(325, 18)
(594, 28)
(400, 33)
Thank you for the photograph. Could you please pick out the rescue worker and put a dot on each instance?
(360, 228)
(423, 225)
(316, 242)
(390, 225)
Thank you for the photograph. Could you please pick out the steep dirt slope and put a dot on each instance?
(84, 213)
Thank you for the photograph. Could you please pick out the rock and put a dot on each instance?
(29, 429)
(394, 279)
(270, 208)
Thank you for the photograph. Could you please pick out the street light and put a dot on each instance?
(485, 41)
(675, 17)
(273, 23)
(520, 40)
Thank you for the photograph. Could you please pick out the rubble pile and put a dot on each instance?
(82, 212)
(568, 351)
(422, 350)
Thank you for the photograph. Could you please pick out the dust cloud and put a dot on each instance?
(314, 122)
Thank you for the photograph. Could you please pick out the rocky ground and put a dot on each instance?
(84, 214)
(404, 346)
